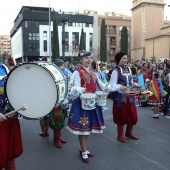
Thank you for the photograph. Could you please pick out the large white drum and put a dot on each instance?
(88, 101)
(101, 98)
(38, 85)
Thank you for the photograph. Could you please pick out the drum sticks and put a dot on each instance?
(23, 107)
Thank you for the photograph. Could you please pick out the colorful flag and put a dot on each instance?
(161, 88)
(141, 81)
(154, 87)
(68, 72)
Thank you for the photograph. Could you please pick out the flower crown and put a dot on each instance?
(84, 53)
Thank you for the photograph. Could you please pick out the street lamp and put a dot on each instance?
(63, 19)
(49, 31)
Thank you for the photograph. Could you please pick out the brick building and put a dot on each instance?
(5, 46)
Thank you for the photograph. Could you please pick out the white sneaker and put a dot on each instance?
(162, 114)
(155, 116)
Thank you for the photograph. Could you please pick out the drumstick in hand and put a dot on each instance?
(23, 107)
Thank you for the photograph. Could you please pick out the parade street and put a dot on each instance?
(150, 152)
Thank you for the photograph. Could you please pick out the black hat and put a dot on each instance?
(118, 56)
(58, 62)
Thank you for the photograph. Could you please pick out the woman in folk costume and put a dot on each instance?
(145, 71)
(10, 133)
(83, 122)
(124, 109)
(156, 99)
(59, 113)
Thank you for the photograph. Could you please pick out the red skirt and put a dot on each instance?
(124, 115)
(10, 140)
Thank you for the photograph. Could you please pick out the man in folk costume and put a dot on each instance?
(10, 134)
(59, 113)
(80, 121)
(124, 109)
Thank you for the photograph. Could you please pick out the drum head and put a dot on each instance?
(34, 86)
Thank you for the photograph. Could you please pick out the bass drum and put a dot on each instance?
(38, 85)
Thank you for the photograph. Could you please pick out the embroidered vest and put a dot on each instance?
(119, 97)
(88, 80)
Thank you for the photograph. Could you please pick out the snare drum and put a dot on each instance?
(88, 101)
(38, 85)
(101, 98)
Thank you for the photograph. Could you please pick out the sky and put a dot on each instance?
(10, 8)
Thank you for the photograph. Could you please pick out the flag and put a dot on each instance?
(141, 81)
(154, 87)
(104, 80)
(68, 72)
(161, 88)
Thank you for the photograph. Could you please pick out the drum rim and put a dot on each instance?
(5, 88)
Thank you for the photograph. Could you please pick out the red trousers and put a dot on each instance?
(10, 141)
(124, 115)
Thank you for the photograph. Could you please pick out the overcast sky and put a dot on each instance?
(10, 8)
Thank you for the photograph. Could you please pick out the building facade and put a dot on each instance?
(147, 21)
(5, 47)
(114, 24)
(31, 31)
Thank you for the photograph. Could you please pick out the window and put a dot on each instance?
(44, 35)
(33, 36)
(45, 40)
(90, 40)
(26, 24)
(70, 24)
(91, 25)
(75, 41)
(84, 24)
(78, 24)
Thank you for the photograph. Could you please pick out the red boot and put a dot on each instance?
(10, 165)
(57, 138)
(129, 132)
(120, 136)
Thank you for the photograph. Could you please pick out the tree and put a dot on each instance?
(56, 52)
(124, 40)
(103, 43)
(82, 40)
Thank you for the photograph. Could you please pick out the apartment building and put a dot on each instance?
(114, 24)
(31, 31)
(5, 46)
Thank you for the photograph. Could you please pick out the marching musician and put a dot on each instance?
(83, 122)
(10, 134)
(124, 109)
(58, 115)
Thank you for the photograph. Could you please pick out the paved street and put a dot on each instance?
(151, 152)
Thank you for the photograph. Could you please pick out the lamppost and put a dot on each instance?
(63, 18)
(49, 31)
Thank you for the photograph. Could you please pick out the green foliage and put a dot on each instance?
(82, 41)
(103, 42)
(56, 52)
(124, 40)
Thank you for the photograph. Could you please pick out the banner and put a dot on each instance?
(141, 81)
